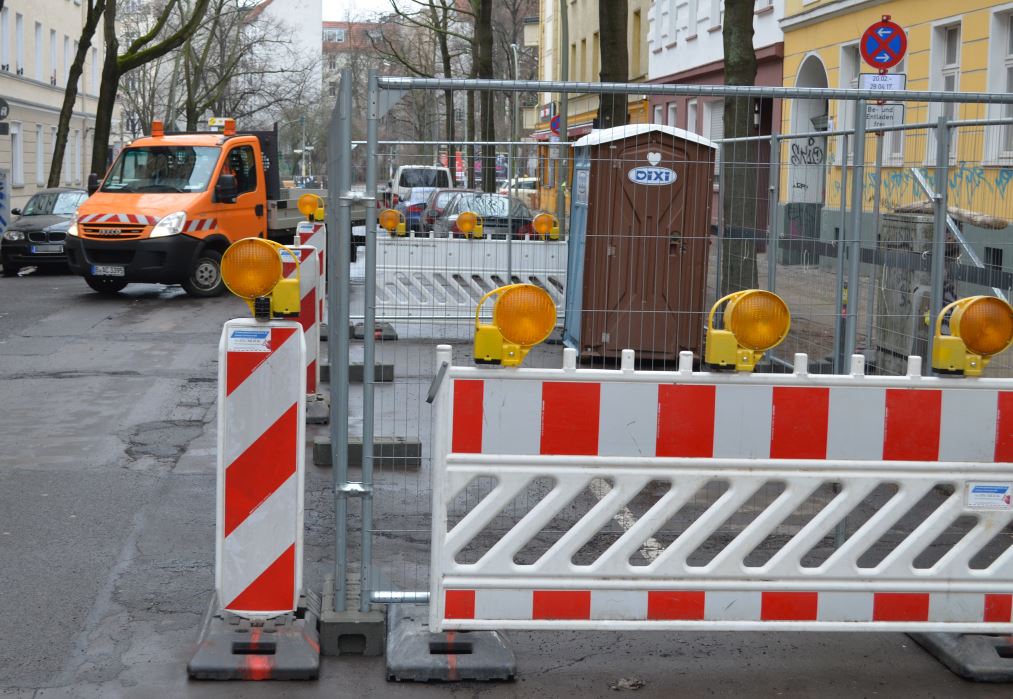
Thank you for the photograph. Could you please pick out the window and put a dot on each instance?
(717, 13)
(94, 72)
(657, 28)
(714, 122)
(165, 169)
(993, 259)
(691, 17)
(19, 43)
(674, 11)
(40, 157)
(66, 58)
(596, 57)
(77, 156)
(571, 69)
(5, 39)
(893, 148)
(658, 114)
(635, 47)
(332, 89)
(73, 56)
(52, 57)
(1007, 74)
(38, 73)
(945, 77)
(332, 62)
(583, 59)
(243, 164)
(17, 156)
(691, 117)
(52, 143)
(335, 35)
(65, 167)
(672, 113)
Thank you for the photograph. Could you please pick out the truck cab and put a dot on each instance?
(169, 207)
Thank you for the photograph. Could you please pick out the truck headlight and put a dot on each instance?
(13, 235)
(171, 224)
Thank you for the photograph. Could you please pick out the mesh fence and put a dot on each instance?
(653, 223)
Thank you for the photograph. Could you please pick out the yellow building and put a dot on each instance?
(964, 46)
(583, 51)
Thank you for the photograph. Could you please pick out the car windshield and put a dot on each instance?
(490, 205)
(423, 177)
(54, 203)
(162, 169)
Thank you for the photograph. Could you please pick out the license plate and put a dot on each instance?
(107, 271)
(46, 248)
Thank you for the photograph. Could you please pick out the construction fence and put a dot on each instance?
(865, 218)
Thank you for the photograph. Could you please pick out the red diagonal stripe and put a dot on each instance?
(308, 310)
(261, 469)
(239, 366)
(273, 590)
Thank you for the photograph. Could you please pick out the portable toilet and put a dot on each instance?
(638, 242)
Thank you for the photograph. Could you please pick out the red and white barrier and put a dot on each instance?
(309, 307)
(261, 435)
(315, 234)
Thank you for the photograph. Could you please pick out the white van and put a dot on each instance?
(409, 176)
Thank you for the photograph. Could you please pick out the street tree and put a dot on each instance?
(741, 159)
(93, 15)
(615, 61)
(155, 42)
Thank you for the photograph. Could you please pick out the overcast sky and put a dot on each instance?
(340, 10)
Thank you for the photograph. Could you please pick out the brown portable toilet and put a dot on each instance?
(638, 242)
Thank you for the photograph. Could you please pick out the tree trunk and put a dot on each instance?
(615, 61)
(70, 94)
(106, 94)
(741, 229)
(483, 35)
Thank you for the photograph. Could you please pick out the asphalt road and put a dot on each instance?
(106, 533)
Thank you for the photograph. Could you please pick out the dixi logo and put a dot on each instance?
(651, 175)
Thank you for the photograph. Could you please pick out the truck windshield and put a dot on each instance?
(162, 169)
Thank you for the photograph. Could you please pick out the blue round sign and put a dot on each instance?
(554, 125)
(883, 44)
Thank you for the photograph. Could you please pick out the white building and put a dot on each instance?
(38, 42)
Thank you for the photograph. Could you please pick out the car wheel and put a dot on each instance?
(205, 278)
(10, 270)
(106, 285)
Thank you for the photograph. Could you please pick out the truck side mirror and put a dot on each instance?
(92, 183)
(226, 189)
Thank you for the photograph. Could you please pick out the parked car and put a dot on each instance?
(408, 177)
(525, 189)
(37, 236)
(498, 213)
(438, 200)
(413, 205)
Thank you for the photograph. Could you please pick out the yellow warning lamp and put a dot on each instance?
(252, 270)
(546, 226)
(311, 206)
(471, 224)
(753, 321)
(392, 221)
(980, 327)
(523, 315)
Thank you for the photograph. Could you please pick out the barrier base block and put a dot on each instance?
(381, 331)
(318, 409)
(975, 657)
(382, 373)
(414, 654)
(283, 648)
(323, 332)
(350, 632)
(393, 452)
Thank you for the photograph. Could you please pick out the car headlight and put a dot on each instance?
(13, 235)
(72, 228)
(171, 224)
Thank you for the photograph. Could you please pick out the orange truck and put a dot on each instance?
(173, 202)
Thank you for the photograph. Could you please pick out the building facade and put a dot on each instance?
(38, 42)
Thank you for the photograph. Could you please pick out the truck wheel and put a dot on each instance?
(105, 285)
(205, 278)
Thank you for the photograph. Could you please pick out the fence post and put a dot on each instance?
(874, 272)
(369, 346)
(939, 200)
(773, 189)
(721, 221)
(839, 311)
(339, 150)
(855, 246)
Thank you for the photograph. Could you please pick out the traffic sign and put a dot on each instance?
(554, 125)
(885, 82)
(5, 109)
(880, 116)
(883, 44)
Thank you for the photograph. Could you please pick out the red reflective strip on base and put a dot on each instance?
(1004, 428)
(272, 590)
(798, 423)
(570, 418)
(308, 310)
(467, 419)
(561, 604)
(311, 378)
(912, 425)
(685, 421)
(900, 606)
(459, 604)
(789, 606)
(998, 608)
(261, 469)
(239, 366)
(678, 605)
